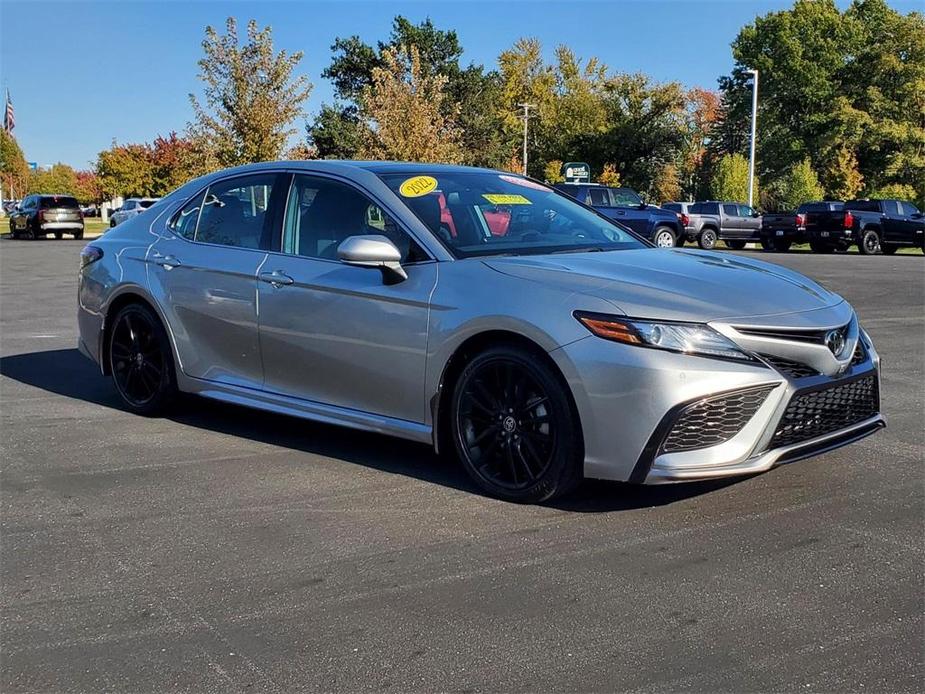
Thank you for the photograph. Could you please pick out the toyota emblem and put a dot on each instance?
(835, 341)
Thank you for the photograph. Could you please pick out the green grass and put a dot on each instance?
(94, 226)
(910, 250)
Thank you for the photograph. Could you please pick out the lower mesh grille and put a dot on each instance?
(823, 411)
(714, 420)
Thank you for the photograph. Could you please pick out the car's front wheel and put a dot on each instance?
(707, 239)
(140, 360)
(664, 238)
(513, 426)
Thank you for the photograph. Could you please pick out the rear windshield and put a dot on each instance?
(821, 207)
(863, 205)
(145, 204)
(485, 213)
(57, 201)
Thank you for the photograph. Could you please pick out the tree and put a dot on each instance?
(800, 184)
(88, 189)
(702, 113)
(126, 171)
(842, 179)
(730, 179)
(667, 185)
(336, 132)
(59, 178)
(302, 152)
(609, 176)
(251, 96)
(552, 173)
(406, 113)
(14, 171)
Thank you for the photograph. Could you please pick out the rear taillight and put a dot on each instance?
(801, 220)
(90, 254)
(849, 220)
(40, 215)
(685, 220)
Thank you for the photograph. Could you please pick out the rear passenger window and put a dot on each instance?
(234, 211)
(598, 196)
(731, 210)
(184, 221)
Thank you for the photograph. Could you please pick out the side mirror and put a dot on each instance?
(373, 251)
(917, 215)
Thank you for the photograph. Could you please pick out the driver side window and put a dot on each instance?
(322, 213)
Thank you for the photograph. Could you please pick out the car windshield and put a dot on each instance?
(58, 201)
(486, 213)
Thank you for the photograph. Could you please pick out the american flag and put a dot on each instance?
(9, 118)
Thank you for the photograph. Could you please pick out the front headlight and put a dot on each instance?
(689, 338)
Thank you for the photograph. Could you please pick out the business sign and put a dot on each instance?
(33, 166)
(576, 172)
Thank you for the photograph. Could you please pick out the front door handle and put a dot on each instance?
(168, 262)
(277, 278)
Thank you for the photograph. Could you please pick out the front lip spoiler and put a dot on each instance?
(769, 459)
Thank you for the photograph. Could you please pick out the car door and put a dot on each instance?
(338, 334)
(892, 224)
(751, 225)
(733, 224)
(204, 276)
(913, 222)
(625, 205)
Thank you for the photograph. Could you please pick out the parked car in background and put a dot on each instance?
(661, 227)
(781, 230)
(682, 209)
(40, 215)
(564, 348)
(876, 226)
(130, 208)
(731, 222)
(9, 205)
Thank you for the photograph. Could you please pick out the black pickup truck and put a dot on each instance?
(876, 226)
(781, 230)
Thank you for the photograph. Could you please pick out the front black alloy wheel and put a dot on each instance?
(140, 360)
(513, 427)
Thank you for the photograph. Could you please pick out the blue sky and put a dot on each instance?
(83, 73)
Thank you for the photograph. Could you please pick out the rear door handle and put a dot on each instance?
(167, 262)
(277, 278)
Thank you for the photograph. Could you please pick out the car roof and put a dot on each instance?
(55, 195)
(378, 167)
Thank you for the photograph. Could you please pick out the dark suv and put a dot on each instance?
(40, 215)
(624, 205)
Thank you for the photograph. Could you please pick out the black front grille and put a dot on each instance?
(860, 355)
(788, 367)
(819, 412)
(714, 420)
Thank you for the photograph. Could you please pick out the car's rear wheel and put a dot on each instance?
(664, 238)
(707, 239)
(140, 360)
(870, 242)
(781, 245)
(735, 245)
(513, 426)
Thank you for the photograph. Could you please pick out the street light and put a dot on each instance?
(526, 108)
(751, 154)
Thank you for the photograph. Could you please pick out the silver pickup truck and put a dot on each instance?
(710, 221)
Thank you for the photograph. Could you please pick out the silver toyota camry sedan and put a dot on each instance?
(480, 312)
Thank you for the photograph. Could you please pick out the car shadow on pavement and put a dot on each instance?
(68, 373)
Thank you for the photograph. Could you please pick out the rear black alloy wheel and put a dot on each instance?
(664, 238)
(513, 427)
(707, 239)
(735, 245)
(870, 242)
(140, 360)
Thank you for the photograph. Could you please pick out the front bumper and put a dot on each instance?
(629, 399)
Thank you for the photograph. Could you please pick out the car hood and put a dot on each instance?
(675, 284)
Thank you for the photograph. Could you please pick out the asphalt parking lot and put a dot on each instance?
(224, 549)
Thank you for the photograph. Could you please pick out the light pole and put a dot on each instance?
(751, 153)
(526, 108)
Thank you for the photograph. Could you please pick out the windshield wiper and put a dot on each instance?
(583, 249)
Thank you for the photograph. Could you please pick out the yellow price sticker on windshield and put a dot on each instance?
(417, 186)
(506, 199)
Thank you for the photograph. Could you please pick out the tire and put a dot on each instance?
(664, 238)
(782, 245)
(870, 242)
(112, 223)
(734, 245)
(79, 235)
(141, 361)
(59, 235)
(888, 248)
(512, 410)
(29, 232)
(707, 239)
(13, 233)
(818, 247)
(767, 244)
